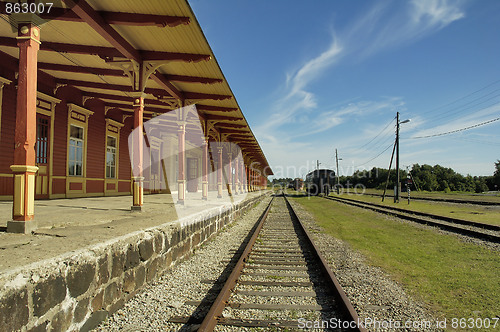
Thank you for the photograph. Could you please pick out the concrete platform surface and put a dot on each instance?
(66, 225)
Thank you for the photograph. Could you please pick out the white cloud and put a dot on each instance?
(385, 25)
(435, 12)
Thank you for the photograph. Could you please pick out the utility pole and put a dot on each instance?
(337, 162)
(317, 164)
(398, 188)
(396, 196)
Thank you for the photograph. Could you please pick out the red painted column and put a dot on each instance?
(230, 174)
(219, 173)
(236, 177)
(251, 179)
(138, 155)
(181, 179)
(242, 175)
(204, 170)
(24, 169)
(249, 171)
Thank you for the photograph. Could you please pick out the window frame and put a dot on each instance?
(114, 151)
(77, 147)
(112, 130)
(78, 117)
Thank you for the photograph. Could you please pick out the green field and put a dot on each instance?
(479, 213)
(456, 279)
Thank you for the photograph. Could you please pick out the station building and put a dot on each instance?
(75, 82)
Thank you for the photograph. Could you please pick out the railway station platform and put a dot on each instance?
(89, 255)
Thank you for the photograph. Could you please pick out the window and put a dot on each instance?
(111, 157)
(75, 158)
(42, 139)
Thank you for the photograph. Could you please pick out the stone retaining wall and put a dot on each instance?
(75, 292)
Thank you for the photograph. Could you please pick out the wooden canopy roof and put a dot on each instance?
(90, 44)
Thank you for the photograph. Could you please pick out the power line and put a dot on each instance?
(459, 110)
(377, 134)
(387, 148)
(458, 130)
(461, 98)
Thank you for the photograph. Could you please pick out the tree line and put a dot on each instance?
(426, 177)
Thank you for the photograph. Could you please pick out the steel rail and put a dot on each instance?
(339, 293)
(445, 200)
(405, 215)
(430, 215)
(214, 314)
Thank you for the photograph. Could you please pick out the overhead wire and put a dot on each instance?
(378, 155)
(388, 124)
(461, 98)
(458, 111)
(457, 130)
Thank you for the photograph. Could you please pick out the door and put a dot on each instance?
(192, 175)
(42, 156)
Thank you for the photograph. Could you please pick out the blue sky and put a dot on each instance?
(315, 76)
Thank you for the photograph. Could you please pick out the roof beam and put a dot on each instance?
(167, 85)
(80, 69)
(193, 79)
(220, 117)
(97, 22)
(106, 52)
(215, 108)
(202, 96)
(231, 131)
(120, 73)
(230, 125)
(122, 98)
(118, 18)
(126, 88)
(166, 56)
(131, 107)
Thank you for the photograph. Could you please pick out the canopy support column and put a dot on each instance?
(24, 169)
(138, 155)
(229, 174)
(219, 172)
(204, 170)
(181, 179)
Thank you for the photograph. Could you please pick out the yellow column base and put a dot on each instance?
(181, 191)
(137, 194)
(219, 190)
(204, 190)
(23, 204)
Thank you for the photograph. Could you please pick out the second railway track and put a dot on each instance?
(280, 270)
(487, 232)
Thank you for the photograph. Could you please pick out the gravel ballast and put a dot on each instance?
(372, 292)
(152, 308)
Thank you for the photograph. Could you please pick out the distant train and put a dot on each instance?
(320, 181)
(296, 184)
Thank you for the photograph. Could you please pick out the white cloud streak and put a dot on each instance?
(384, 26)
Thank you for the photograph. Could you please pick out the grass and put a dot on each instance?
(479, 213)
(456, 279)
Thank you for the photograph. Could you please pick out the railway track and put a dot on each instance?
(478, 230)
(280, 273)
(445, 200)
